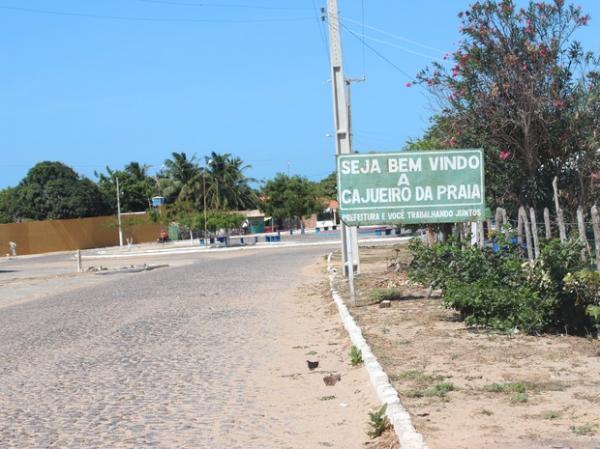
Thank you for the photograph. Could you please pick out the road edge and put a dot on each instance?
(399, 418)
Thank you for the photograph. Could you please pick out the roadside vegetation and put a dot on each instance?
(499, 289)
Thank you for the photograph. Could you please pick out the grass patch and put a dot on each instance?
(417, 376)
(508, 388)
(519, 398)
(327, 398)
(586, 429)
(486, 412)
(551, 415)
(439, 390)
(383, 294)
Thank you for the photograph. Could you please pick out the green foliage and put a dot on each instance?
(177, 172)
(502, 291)
(221, 184)
(519, 398)
(587, 429)
(355, 356)
(327, 187)
(7, 205)
(506, 388)
(135, 185)
(486, 303)
(419, 377)
(439, 390)
(51, 190)
(455, 261)
(523, 89)
(378, 421)
(290, 197)
(551, 415)
(184, 214)
(383, 294)
(227, 185)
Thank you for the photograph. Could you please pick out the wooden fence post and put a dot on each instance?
(525, 224)
(498, 218)
(559, 214)
(480, 234)
(534, 231)
(430, 235)
(585, 252)
(520, 227)
(596, 226)
(547, 227)
(505, 221)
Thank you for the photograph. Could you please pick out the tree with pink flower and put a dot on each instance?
(524, 89)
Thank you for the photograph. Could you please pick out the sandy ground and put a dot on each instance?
(304, 325)
(517, 392)
(344, 406)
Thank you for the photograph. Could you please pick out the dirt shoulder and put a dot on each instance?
(477, 389)
(328, 416)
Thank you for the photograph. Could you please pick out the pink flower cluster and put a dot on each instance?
(504, 155)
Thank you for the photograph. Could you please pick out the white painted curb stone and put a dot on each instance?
(399, 418)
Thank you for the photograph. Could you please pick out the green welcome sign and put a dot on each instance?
(441, 186)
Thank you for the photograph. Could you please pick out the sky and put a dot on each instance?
(96, 83)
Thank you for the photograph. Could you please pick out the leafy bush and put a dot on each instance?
(499, 289)
(485, 303)
(456, 261)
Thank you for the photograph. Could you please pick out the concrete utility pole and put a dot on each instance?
(119, 212)
(342, 127)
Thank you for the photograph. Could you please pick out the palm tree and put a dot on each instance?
(226, 185)
(178, 172)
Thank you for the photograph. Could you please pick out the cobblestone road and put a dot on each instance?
(166, 359)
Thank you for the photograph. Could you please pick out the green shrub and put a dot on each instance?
(456, 261)
(502, 290)
(505, 308)
(559, 272)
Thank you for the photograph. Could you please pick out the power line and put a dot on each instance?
(395, 36)
(379, 54)
(146, 19)
(407, 50)
(362, 12)
(320, 22)
(223, 5)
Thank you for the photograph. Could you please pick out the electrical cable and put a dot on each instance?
(222, 5)
(407, 50)
(395, 36)
(362, 12)
(379, 54)
(321, 32)
(146, 19)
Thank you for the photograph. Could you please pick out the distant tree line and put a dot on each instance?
(52, 190)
